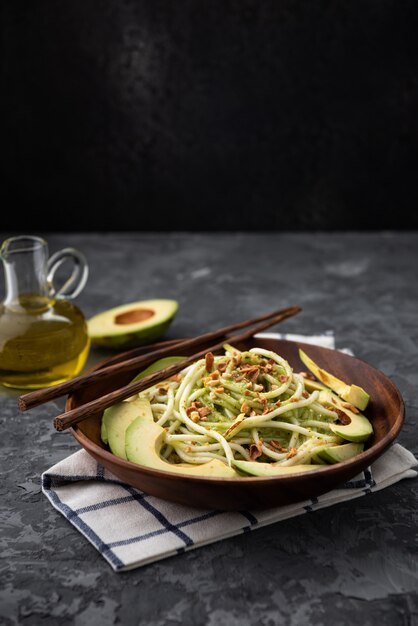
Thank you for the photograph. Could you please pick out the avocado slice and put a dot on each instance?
(336, 454)
(314, 385)
(143, 441)
(132, 324)
(103, 433)
(158, 365)
(273, 469)
(117, 418)
(120, 418)
(359, 427)
(353, 394)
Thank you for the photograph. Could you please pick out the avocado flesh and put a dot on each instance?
(117, 418)
(103, 433)
(255, 468)
(143, 442)
(314, 385)
(359, 429)
(353, 394)
(158, 365)
(336, 454)
(120, 415)
(132, 324)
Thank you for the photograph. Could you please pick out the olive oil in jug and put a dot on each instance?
(43, 335)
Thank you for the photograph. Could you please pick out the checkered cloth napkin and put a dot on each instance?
(131, 529)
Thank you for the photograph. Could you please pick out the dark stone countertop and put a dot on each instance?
(354, 562)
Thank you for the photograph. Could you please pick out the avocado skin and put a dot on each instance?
(143, 441)
(133, 339)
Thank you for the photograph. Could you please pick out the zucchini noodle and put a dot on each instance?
(241, 405)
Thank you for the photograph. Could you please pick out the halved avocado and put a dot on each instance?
(132, 324)
(273, 469)
(117, 418)
(143, 441)
(351, 393)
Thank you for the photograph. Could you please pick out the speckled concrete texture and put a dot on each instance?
(353, 563)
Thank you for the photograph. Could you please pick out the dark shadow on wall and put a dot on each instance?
(149, 115)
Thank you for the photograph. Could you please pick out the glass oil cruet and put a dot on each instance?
(43, 335)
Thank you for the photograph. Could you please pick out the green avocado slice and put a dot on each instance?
(359, 427)
(336, 454)
(273, 469)
(158, 365)
(353, 394)
(117, 418)
(143, 441)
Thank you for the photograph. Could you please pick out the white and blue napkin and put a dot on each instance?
(131, 528)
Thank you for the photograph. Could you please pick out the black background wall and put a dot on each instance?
(216, 114)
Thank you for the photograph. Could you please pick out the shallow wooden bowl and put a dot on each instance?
(386, 411)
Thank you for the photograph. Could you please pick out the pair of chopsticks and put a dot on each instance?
(136, 359)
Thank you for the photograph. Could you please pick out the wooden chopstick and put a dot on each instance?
(133, 361)
(124, 361)
(72, 417)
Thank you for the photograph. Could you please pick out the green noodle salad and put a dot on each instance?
(242, 406)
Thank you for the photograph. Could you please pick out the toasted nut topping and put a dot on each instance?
(350, 407)
(293, 452)
(209, 361)
(222, 366)
(255, 451)
(210, 382)
(258, 387)
(194, 415)
(283, 378)
(307, 375)
(277, 445)
(245, 407)
(233, 426)
(343, 418)
(220, 389)
(204, 411)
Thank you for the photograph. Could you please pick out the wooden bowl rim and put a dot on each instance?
(360, 460)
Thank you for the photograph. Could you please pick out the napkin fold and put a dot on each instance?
(130, 528)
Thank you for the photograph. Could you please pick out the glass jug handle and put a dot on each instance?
(76, 281)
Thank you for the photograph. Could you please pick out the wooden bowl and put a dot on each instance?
(386, 411)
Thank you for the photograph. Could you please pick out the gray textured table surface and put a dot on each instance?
(354, 562)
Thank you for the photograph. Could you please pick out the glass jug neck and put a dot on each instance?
(25, 267)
